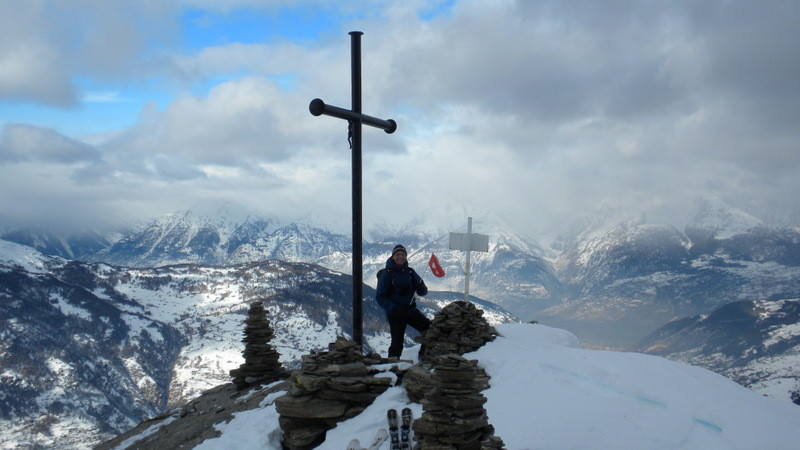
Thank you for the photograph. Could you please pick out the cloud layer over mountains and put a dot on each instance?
(546, 108)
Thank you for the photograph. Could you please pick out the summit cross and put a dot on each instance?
(355, 119)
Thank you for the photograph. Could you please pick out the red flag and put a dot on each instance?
(436, 268)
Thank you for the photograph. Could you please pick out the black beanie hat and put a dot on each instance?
(399, 248)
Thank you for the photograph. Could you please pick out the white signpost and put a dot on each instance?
(468, 242)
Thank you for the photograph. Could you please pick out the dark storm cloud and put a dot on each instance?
(569, 60)
(653, 101)
(546, 60)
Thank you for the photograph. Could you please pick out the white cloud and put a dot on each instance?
(32, 67)
(47, 44)
(104, 97)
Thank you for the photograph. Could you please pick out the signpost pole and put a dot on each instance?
(467, 243)
(467, 267)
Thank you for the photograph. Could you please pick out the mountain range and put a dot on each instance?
(755, 343)
(612, 278)
(636, 277)
(104, 329)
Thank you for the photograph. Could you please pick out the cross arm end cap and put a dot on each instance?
(316, 107)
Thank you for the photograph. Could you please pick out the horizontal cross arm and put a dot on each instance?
(318, 108)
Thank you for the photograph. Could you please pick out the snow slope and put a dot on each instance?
(755, 343)
(576, 398)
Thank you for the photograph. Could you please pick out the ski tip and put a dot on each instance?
(355, 444)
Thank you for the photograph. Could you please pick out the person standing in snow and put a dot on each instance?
(398, 285)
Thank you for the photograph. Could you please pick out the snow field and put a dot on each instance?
(547, 392)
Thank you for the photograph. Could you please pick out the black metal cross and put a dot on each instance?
(355, 119)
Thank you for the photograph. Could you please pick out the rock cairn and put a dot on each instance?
(454, 417)
(261, 364)
(457, 329)
(330, 387)
(449, 386)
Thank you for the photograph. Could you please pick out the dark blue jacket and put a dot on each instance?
(396, 288)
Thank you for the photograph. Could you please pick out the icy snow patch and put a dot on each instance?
(150, 431)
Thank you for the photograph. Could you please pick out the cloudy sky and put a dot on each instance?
(542, 110)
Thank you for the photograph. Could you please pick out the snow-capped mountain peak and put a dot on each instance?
(722, 220)
(220, 213)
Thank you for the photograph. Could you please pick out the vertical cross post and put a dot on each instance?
(355, 120)
(355, 126)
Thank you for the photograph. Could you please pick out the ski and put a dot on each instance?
(355, 444)
(405, 429)
(391, 415)
(380, 436)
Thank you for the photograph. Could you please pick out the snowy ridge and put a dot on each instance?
(73, 245)
(190, 237)
(574, 398)
(15, 255)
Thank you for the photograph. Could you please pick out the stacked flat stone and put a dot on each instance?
(449, 386)
(261, 361)
(454, 417)
(330, 387)
(457, 329)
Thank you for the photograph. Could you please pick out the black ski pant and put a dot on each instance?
(397, 329)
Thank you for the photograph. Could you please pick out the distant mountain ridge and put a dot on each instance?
(71, 246)
(755, 343)
(613, 277)
(638, 276)
(515, 270)
(187, 237)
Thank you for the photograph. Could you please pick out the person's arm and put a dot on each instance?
(421, 288)
(382, 292)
